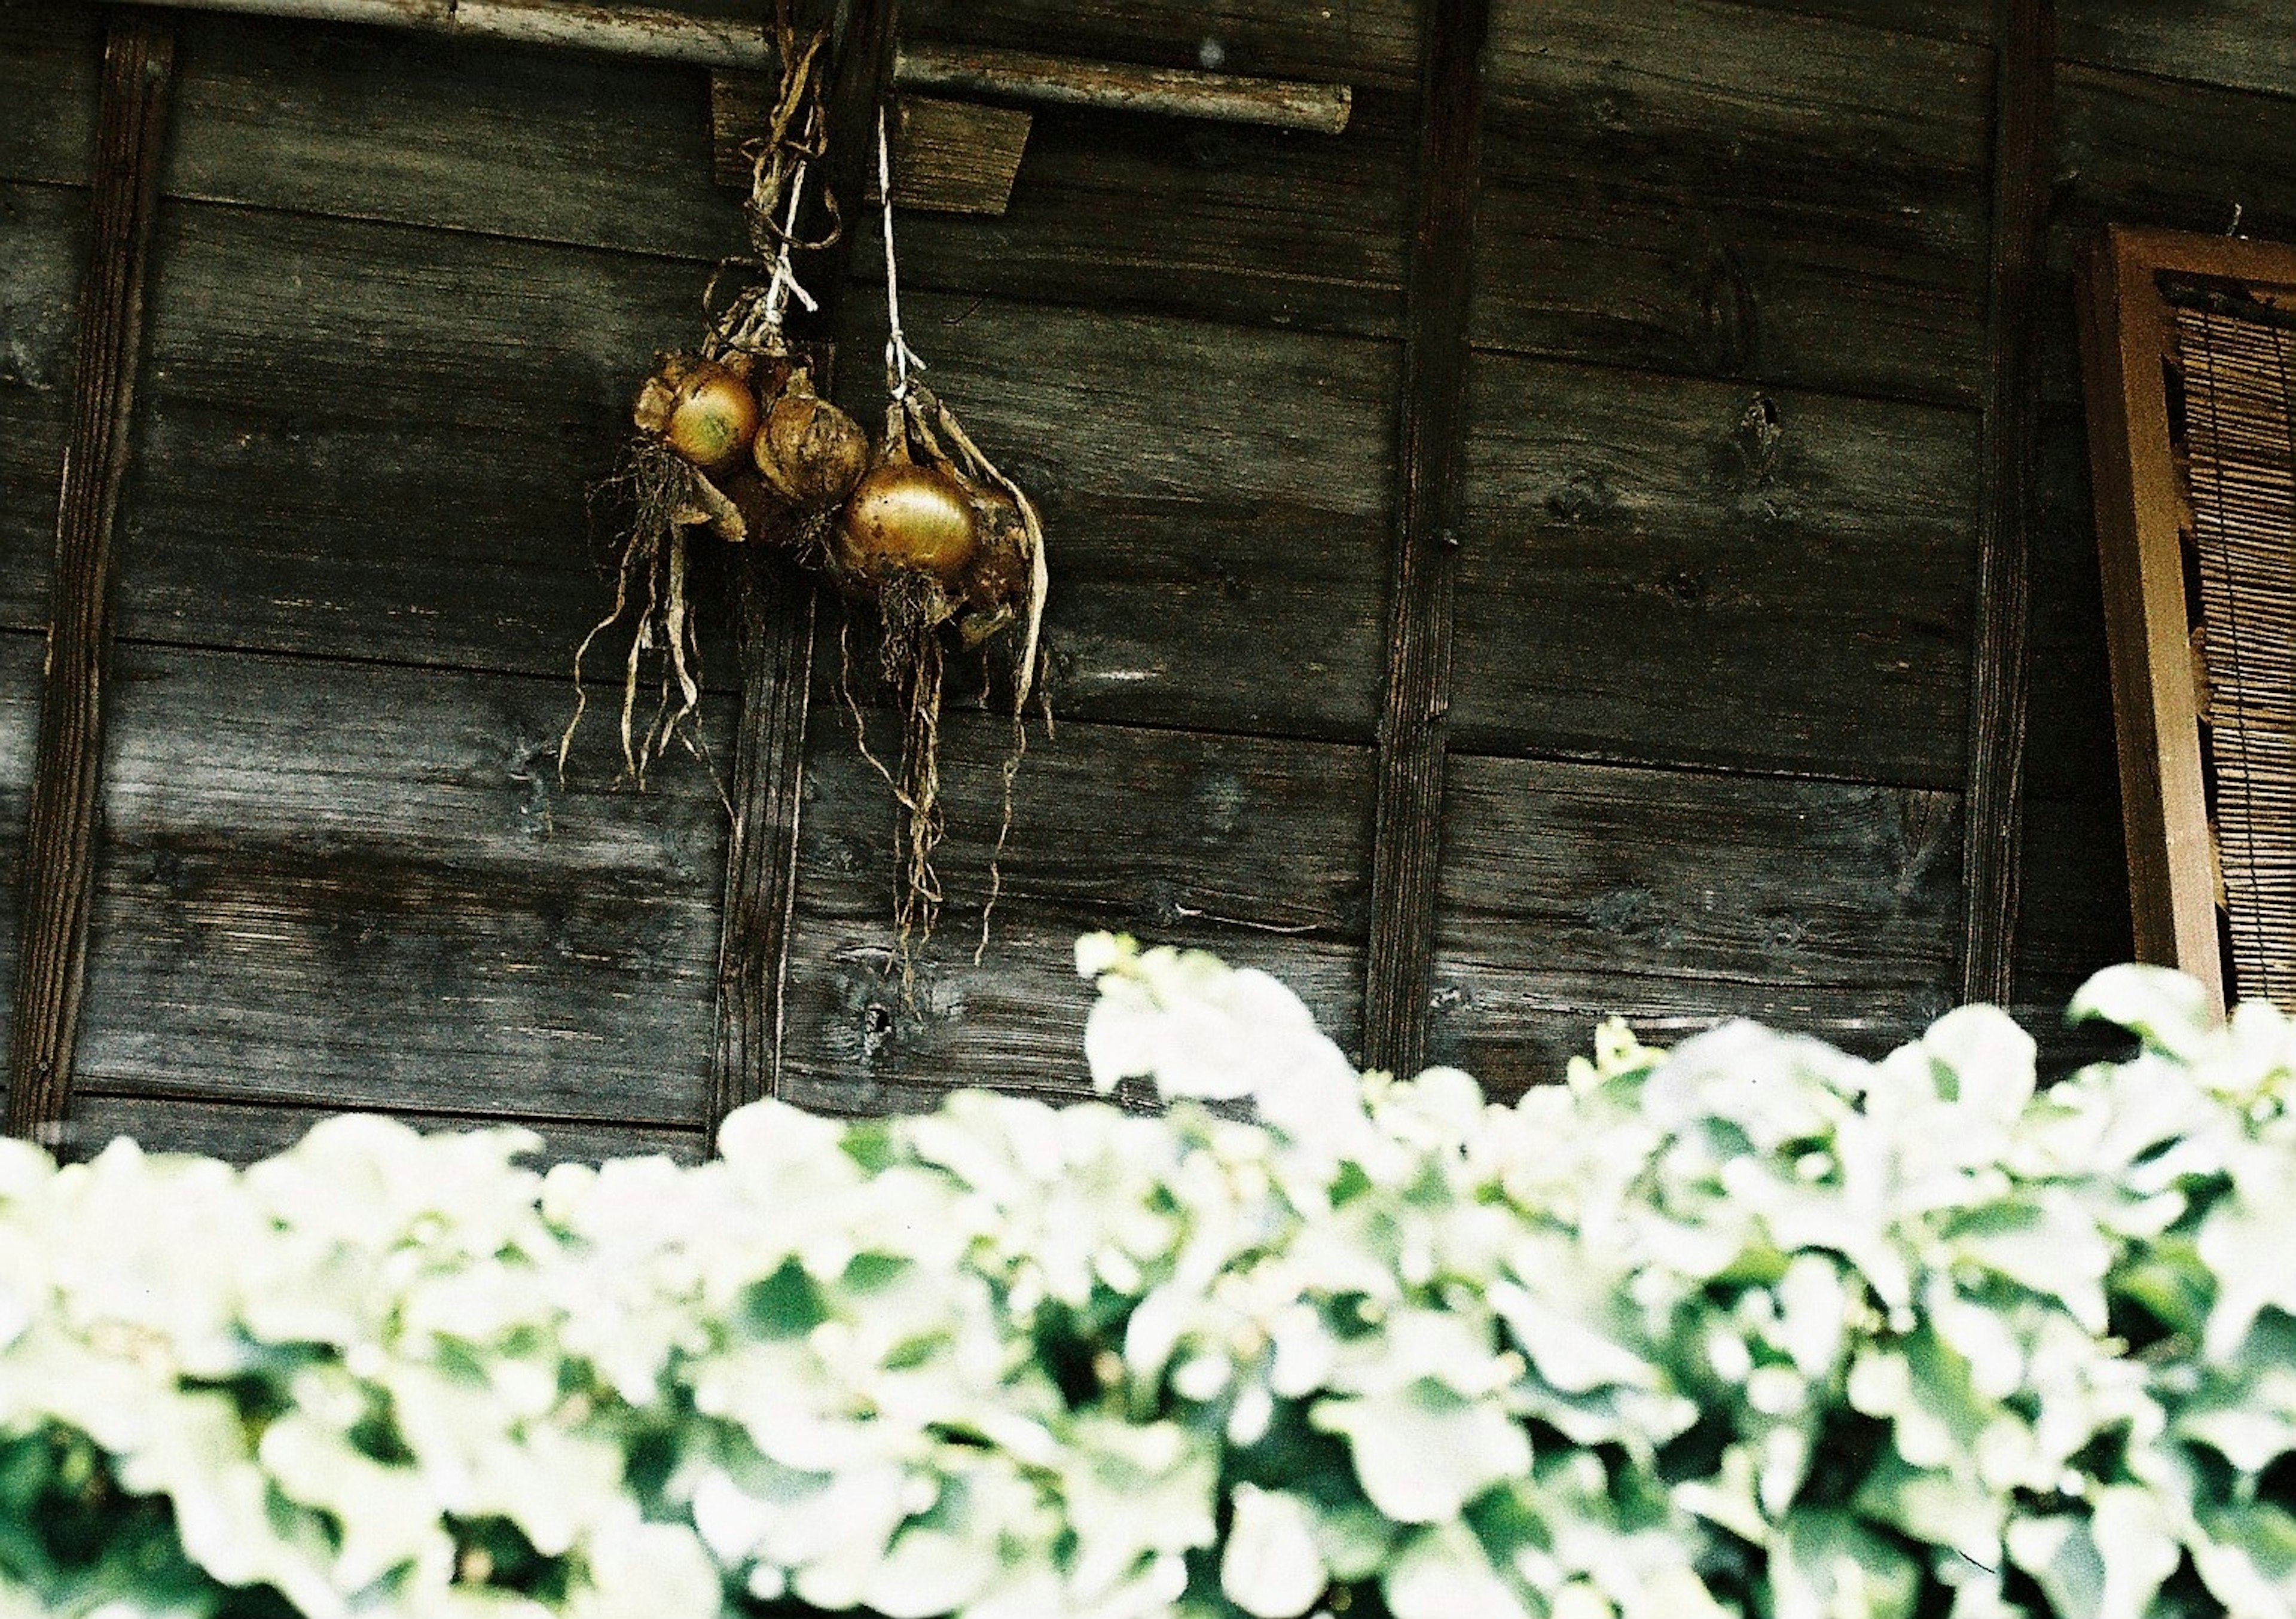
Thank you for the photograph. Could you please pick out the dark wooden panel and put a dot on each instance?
(2070, 746)
(20, 718)
(1358, 42)
(240, 1132)
(1690, 573)
(1119, 211)
(353, 886)
(42, 256)
(1572, 891)
(2247, 43)
(2074, 923)
(1706, 188)
(1971, 20)
(1252, 847)
(374, 441)
(377, 124)
(48, 57)
(1215, 501)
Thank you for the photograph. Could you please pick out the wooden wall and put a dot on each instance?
(1730, 342)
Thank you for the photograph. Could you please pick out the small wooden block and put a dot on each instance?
(949, 157)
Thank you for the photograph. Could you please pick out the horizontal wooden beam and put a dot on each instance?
(1062, 81)
(661, 32)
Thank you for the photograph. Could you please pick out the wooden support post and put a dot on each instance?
(2023, 141)
(1406, 833)
(775, 611)
(59, 844)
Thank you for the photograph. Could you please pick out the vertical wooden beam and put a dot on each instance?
(774, 609)
(59, 842)
(1406, 832)
(2023, 142)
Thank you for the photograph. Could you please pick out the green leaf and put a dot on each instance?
(1421, 1453)
(1824, 1565)
(1272, 1567)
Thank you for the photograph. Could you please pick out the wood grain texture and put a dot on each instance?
(1114, 211)
(1254, 847)
(43, 261)
(60, 837)
(1215, 501)
(1695, 573)
(371, 124)
(337, 885)
(2000, 678)
(49, 59)
(711, 32)
(2074, 921)
(20, 656)
(1356, 42)
(1708, 189)
(240, 1133)
(1677, 900)
(1042, 79)
(1414, 717)
(371, 441)
(2242, 43)
(2069, 749)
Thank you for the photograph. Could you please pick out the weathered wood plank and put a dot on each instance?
(48, 60)
(43, 257)
(20, 655)
(2000, 678)
(1414, 718)
(371, 441)
(344, 886)
(1215, 501)
(1256, 848)
(714, 33)
(1970, 20)
(1572, 891)
(1703, 188)
(60, 836)
(240, 1132)
(2242, 43)
(1692, 573)
(373, 124)
(1359, 43)
(1118, 211)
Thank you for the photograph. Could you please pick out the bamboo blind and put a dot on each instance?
(2239, 466)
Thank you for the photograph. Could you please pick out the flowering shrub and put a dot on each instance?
(1756, 1328)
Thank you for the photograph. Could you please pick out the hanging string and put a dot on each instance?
(784, 285)
(900, 359)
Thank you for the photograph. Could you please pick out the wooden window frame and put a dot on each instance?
(2127, 338)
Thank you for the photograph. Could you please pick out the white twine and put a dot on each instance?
(785, 285)
(900, 359)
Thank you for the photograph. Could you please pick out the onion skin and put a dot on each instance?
(714, 419)
(905, 516)
(808, 451)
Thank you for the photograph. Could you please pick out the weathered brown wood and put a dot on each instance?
(337, 885)
(1406, 837)
(774, 610)
(60, 826)
(702, 33)
(1216, 500)
(42, 263)
(377, 124)
(2242, 42)
(240, 1132)
(2000, 676)
(1571, 891)
(1366, 41)
(949, 157)
(1254, 847)
(49, 57)
(1225, 222)
(2070, 750)
(1711, 189)
(370, 441)
(1697, 572)
(2126, 339)
(2074, 922)
(1121, 86)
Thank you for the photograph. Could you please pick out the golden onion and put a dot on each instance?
(807, 450)
(713, 418)
(906, 516)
